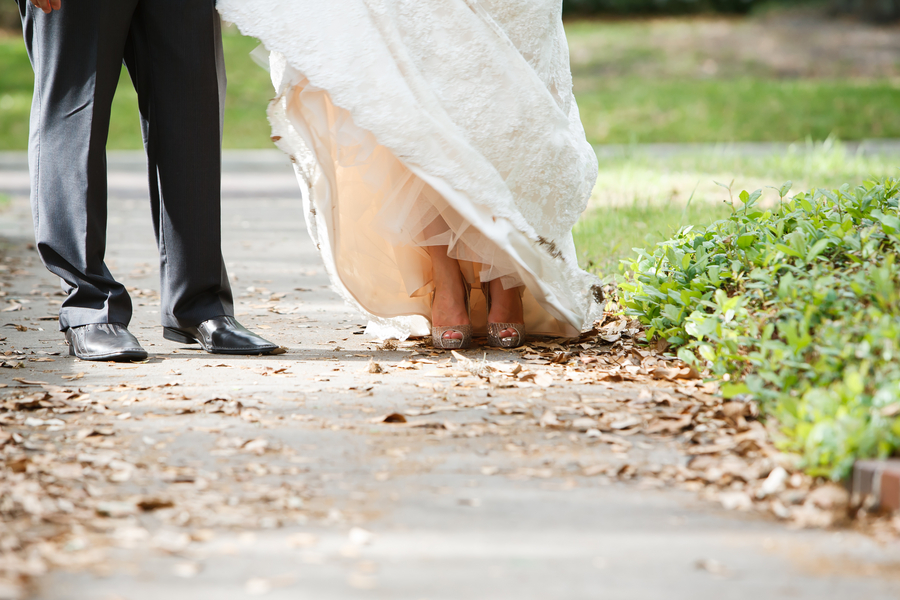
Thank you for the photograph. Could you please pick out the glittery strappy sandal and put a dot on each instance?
(494, 329)
(437, 333)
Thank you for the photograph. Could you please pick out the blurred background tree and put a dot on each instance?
(657, 7)
(872, 10)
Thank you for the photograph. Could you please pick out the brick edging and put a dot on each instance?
(875, 484)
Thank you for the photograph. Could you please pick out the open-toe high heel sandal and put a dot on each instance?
(495, 329)
(437, 333)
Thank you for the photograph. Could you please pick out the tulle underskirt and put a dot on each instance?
(388, 201)
(381, 215)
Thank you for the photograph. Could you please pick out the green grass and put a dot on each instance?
(607, 235)
(641, 199)
(630, 110)
(15, 94)
(772, 78)
(635, 81)
(249, 91)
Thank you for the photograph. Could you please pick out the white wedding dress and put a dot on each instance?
(432, 122)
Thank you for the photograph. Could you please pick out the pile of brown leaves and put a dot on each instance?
(727, 452)
(72, 484)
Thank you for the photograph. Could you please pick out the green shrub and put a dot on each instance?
(797, 305)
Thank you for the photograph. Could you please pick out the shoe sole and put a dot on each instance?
(438, 344)
(130, 356)
(173, 335)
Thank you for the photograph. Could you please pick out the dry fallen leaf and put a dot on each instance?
(392, 418)
(150, 504)
(374, 368)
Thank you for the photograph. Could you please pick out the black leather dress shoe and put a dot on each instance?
(221, 335)
(104, 341)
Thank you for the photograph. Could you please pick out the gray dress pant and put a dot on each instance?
(173, 52)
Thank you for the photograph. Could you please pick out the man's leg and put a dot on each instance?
(174, 55)
(76, 53)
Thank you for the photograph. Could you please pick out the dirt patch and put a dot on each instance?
(781, 45)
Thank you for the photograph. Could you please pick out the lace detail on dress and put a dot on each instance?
(470, 101)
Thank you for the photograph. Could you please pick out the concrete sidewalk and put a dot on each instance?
(378, 511)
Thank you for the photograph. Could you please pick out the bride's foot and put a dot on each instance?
(450, 324)
(506, 316)
(449, 308)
